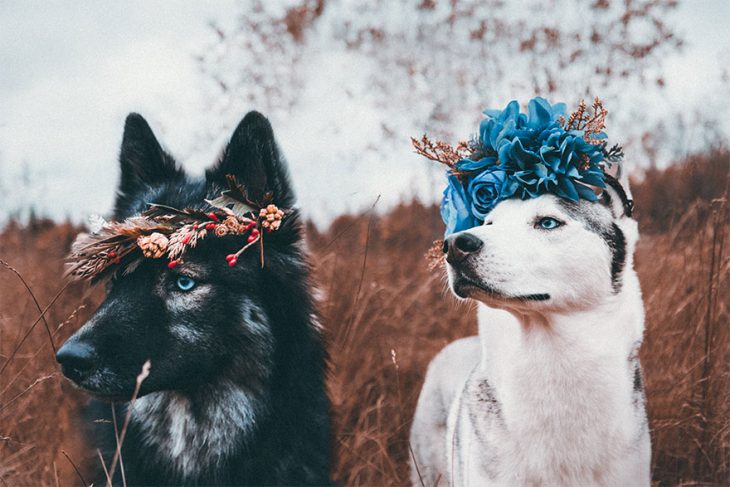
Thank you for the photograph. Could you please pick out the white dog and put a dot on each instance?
(550, 393)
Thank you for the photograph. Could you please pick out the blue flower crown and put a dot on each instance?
(518, 155)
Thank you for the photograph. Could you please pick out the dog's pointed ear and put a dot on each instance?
(143, 162)
(617, 197)
(253, 157)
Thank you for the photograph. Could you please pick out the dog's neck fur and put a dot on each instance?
(565, 381)
(201, 430)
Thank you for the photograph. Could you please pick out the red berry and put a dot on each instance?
(210, 226)
(112, 254)
(232, 262)
(172, 264)
(255, 231)
(186, 239)
(195, 227)
(213, 216)
(251, 238)
(231, 257)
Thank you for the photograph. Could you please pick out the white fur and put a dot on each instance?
(544, 396)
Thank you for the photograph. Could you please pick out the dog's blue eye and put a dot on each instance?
(548, 223)
(185, 283)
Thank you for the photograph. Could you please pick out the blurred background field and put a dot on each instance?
(387, 315)
(345, 83)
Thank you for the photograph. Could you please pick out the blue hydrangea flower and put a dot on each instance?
(523, 155)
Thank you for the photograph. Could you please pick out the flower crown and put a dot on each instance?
(163, 231)
(518, 155)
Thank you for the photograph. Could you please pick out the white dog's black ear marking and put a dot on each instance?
(254, 158)
(143, 162)
(615, 197)
(617, 243)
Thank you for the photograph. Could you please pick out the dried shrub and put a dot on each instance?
(663, 196)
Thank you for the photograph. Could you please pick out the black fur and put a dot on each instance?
(271, 350)
(638, 385)
(626, 203)
(617, 243)
(144, 164)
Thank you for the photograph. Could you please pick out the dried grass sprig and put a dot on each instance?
(435, 255)
(440, 151)
(592, 122)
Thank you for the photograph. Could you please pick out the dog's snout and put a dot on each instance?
(77, 359)
(467, 243)
(459, 247)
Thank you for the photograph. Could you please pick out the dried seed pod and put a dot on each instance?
(154, 245)
(232, 223)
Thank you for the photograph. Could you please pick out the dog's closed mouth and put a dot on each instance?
(103, 395)
(463, 287)
(534, 297)
(106, 396)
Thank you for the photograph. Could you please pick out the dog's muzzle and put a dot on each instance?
(460, 246)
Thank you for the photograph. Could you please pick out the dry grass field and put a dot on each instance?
(386, 316)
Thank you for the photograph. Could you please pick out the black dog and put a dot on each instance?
(236, 392)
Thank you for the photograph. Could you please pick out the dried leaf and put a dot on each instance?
(228, 202)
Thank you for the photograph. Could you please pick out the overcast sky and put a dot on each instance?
(71, 71)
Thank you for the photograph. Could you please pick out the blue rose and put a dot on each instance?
(456, 208)
(486, 190)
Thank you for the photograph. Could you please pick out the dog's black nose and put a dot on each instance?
(458, 247)
(77, 359)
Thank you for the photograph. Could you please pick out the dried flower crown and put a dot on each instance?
(518, 155)
(163, 231)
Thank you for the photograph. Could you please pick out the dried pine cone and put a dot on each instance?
(154, 245)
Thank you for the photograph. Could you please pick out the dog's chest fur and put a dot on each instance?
(192, 437)
(547, 409)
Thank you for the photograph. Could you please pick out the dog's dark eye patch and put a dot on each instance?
(591, 218)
